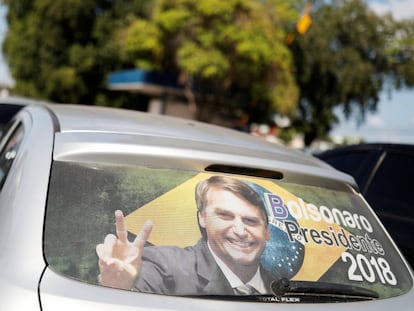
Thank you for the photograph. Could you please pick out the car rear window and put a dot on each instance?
(308, 244)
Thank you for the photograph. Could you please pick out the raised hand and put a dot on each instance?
(120, 259)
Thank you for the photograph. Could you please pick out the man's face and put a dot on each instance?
(236, 229)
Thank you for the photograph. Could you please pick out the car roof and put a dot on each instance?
(77, 118)
(208, 141)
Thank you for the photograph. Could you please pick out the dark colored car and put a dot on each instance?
(384, 174)
(7, 111)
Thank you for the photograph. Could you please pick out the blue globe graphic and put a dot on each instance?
(281, 257)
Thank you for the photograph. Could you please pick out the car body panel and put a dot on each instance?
(172, 138)
(22, 203)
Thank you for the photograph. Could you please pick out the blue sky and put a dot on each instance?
(392, 122)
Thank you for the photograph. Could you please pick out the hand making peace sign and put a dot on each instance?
(120, 259)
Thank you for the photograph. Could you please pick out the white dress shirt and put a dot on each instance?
(256, 281)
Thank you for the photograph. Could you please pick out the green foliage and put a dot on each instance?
(401, 54)
(225, 46)
(232, 53)
(209, 63)
(173, 19)
(61, 50)
(343, 60)
(146, 36)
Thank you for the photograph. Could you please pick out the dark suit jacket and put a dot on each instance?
(184, 271)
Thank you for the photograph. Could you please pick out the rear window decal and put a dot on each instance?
(314, 234)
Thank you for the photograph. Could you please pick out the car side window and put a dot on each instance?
(9, 152)
(352, 163)
(392, 185)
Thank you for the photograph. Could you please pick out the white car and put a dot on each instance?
(66, 170)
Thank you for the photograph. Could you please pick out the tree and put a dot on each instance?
(401, 54)
(346, 59)
(60, 50)
(225, 50)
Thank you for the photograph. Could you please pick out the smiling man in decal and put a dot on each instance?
(226, 261)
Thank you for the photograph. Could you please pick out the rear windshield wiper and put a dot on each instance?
(321, 291)
(285, 290)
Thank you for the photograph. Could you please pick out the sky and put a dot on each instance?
(5, 77)
(394, 119)
(392, 122)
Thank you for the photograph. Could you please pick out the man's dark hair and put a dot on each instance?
(236, 186)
